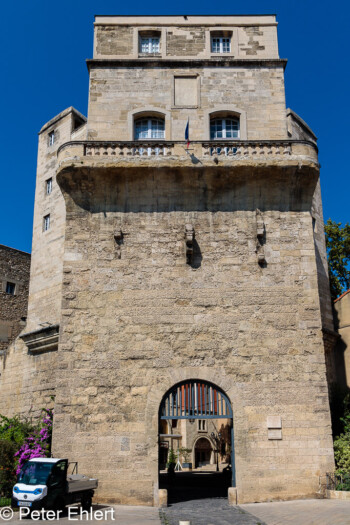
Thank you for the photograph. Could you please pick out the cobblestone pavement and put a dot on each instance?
(302, 512)
(211, 511)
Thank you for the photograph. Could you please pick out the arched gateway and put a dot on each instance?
(209, 414)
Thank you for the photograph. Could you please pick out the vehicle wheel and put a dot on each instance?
(86, 503)
(59, 505)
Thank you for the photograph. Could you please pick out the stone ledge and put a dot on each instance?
(183, 62)
(42, 340)
(338, 494)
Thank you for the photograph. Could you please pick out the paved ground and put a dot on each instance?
(211, 511)
(217, 512)
(302, 512)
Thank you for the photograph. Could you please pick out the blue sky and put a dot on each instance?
(44, 47)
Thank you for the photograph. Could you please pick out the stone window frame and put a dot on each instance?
(46, 222)
(231, 32)
(146, 112)
(51, 138)
(186, 75)
(204, 424)
(149, 31)
(226, 111)
(11, 284)
(48, 186)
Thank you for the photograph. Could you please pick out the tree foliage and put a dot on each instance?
(342, 443)
(338, 250)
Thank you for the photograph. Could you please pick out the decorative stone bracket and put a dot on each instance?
(189, 238)
(260, 233)
(43, 340)
(119, 240)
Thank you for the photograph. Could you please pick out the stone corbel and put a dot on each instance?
(119, 240)
(260, 226)
(260, 233)
(189, 238)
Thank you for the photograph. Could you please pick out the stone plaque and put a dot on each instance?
(274, 422)
(274, 434)
(185, 91)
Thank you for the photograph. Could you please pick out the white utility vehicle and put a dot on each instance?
(44, 483)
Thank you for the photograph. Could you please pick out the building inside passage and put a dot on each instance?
(178, 280)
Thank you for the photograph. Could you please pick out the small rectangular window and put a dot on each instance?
(202, 425)
(10, 288)
(49, 186)
(46, 222)
(150, 44)
(51, 138)
(220, 44)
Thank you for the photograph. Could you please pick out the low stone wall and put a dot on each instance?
(338, 494)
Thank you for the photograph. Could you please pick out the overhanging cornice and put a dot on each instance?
(43, 340)
(184, 62)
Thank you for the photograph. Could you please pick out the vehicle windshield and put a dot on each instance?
(35, 473)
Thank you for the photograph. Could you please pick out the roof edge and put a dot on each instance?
(14, 249)
(61, 115)
(341, 296)
(301, 121)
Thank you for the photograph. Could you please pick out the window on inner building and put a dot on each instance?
(202, 425)
(150, 44)
(10, 288)
(220, 44)
(51, 138)
(224, 128)
(149, 128)
(49, 186)
(46, 222)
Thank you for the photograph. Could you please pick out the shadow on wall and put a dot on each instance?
(147, 190)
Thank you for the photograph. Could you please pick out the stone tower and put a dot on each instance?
(161, 262)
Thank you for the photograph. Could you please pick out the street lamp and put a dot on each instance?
(217, 438)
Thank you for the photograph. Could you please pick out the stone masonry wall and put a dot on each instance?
(14, 268)
(185, 41)
(27, 382)
(137, 319)
(114, 40)
(47, 252)
(187, 38)
(114, 95)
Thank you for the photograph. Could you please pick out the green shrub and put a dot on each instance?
(7, 467)
(342, 453)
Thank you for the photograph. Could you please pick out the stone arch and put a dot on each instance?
(212, 446)
(217, 376)
(226, 110)
(149, 111)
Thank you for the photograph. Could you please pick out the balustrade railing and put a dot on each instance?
(247, 149)
(234, 150)
(118, 149)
